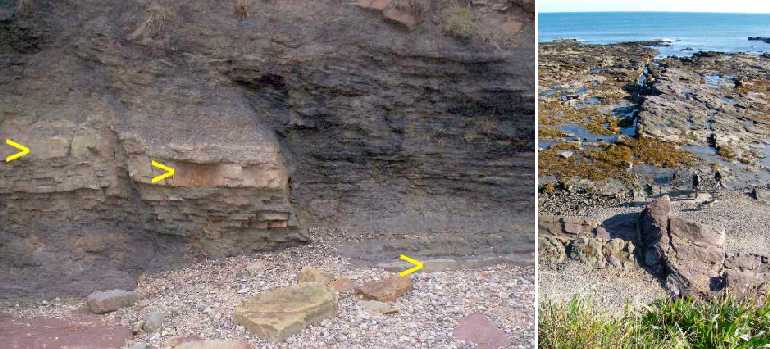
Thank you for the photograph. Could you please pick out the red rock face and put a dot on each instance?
(72, 332)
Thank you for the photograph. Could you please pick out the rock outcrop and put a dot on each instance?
(582, 240)
(689, 255)
(299, 114)
(747, 275)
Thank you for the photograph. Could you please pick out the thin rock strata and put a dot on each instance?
(294, 115)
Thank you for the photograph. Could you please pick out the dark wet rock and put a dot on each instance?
(761, 194)
(760, 38)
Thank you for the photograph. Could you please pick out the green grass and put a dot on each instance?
(722, 322)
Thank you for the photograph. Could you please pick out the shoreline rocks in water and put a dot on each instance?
(760, 38)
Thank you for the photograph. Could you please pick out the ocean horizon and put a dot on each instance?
(688, 32)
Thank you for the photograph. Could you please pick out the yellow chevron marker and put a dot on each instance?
(417, 265)
(169, 171)
(24, 150)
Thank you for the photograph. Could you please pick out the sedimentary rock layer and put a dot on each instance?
(279, 117)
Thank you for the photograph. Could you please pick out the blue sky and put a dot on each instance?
(747, 6)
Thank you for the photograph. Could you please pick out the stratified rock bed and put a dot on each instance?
(277, 117)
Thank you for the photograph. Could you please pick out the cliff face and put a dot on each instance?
(289, 115)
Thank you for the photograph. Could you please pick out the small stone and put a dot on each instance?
(152, 322)
(566, 154)
(213, 344)
(136, 328)
(386, 290)
(377, 307)
(341, 285)
(253, 269)
(314, 275)
(101, 302)
(139, 346)
(175, 341)
(602, 233)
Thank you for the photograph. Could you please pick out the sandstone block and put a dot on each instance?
(281, 312)
(386, 290)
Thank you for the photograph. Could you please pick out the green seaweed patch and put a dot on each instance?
(648, 150)
(554, 113)
(550, 132)
(726, 152)
(583, 164)
(603, 125)
(613, 160)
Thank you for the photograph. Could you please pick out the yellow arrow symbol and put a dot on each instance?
(417, 265)
(24, 150)
(169, 171)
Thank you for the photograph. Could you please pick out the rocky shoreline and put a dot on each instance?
(622, 130)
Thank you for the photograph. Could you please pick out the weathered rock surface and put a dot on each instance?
(279, 313)
(747, 275)
(386, 290)
(582, 240)
(298, 114)
(479, 330)
(101, 302)
(714, 101)
(690, 255)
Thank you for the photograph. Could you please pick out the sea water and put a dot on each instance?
(688, 32)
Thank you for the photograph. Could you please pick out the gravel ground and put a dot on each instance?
(611, 289)
(199, 300)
